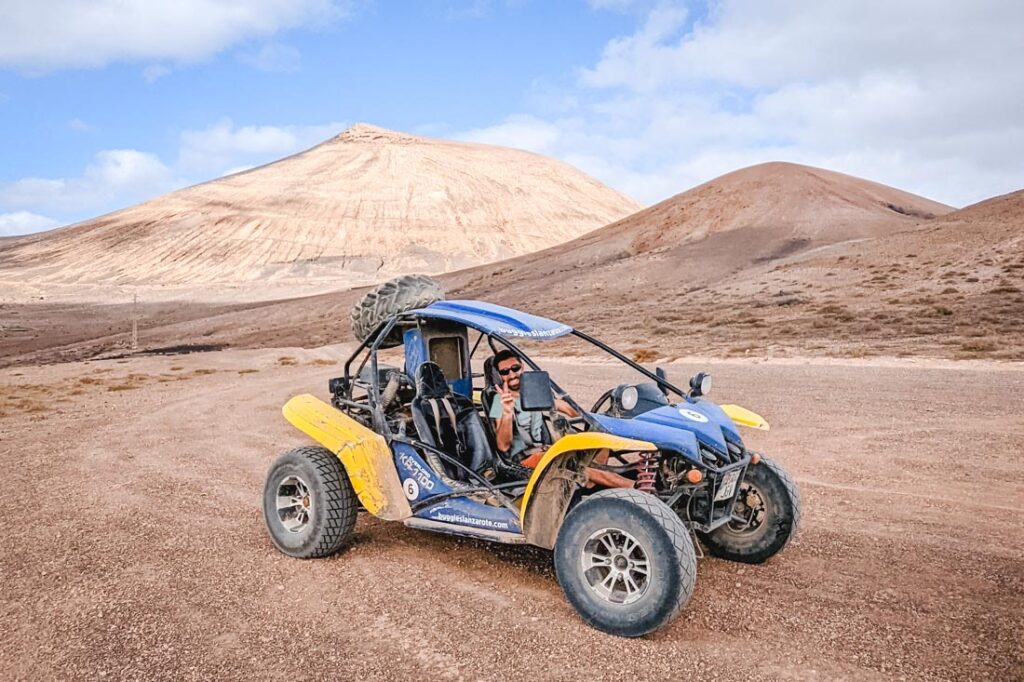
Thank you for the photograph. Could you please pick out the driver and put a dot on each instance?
(520, 433)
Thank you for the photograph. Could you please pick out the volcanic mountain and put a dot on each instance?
(359, 208)
(738, 221)
(779, 257)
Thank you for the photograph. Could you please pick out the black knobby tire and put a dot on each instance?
(395, 296)
(665, 542)
(331, 515)
(782, 518)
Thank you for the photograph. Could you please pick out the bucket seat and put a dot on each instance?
(450, 423)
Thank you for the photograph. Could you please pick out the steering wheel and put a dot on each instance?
(605, 397)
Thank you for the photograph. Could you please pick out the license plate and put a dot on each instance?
(728, 486)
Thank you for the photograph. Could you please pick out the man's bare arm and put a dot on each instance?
(565, 408)
(503, 430)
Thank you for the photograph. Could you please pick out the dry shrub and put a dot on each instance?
(644, 355)
(978, 345)
(247, 371)
(177, 368)
(286, 360)
(123, 387)
(323, 363)
(201, 372)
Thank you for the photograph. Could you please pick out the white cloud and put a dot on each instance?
(522, 132)
(42, 36)
(80, 126)
(23, 222)
(273, 58)
(115, 175)
(155, 72)
(925, 96)
(222, 146)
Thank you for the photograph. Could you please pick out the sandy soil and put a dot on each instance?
(134, 547)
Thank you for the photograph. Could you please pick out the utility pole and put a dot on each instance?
(135, 322)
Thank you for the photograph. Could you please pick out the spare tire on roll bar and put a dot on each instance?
(395, 296)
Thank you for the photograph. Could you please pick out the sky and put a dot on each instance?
(106, 103)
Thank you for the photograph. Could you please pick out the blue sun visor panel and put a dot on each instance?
(415, 352)
(495, 319)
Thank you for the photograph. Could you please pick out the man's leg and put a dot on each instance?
(608, 479)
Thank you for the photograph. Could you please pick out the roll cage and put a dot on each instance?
(342, 389)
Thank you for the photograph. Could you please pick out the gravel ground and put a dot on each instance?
(134, 546)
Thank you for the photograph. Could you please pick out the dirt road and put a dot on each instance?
(133, 546)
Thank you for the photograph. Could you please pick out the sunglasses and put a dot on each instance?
(508, 370)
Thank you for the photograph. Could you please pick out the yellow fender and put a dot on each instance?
(365, 454)
(544, 535)
(744, 417)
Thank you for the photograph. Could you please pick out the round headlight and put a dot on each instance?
(705, 384)
(629, 398)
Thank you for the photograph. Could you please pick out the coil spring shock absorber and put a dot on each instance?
(648, 471)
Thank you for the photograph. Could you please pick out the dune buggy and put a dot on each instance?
(411, 442)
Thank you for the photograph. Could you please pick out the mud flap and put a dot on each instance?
(365, 454)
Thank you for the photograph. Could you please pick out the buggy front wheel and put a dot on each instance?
(765, 517)
(625, 562)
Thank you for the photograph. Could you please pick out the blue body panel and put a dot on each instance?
(462, 511)
(421, 483)
(495, 319)
(678, 427)
(411, 467)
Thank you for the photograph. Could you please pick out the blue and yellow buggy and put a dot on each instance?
(411, 442)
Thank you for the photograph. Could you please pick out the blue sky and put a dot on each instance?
(105, 104)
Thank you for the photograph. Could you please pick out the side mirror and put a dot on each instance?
(663, 375)
(535, 394)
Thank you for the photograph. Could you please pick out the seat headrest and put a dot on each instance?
(489, 372)
(431, 382)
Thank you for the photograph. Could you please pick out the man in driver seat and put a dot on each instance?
(520, 433)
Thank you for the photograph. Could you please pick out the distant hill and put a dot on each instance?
(818, 264)
(779, 259)
(361, 207)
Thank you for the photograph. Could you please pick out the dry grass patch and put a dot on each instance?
(123, 387)
(286, 360)
(978, 345)
(644, 355)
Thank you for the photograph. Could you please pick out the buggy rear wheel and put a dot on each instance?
(309, 506)
(625, 562)
(767, 512)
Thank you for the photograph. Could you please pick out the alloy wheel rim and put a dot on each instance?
(294, 504)
(615, 566)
